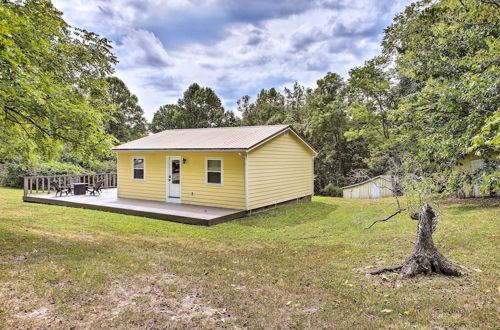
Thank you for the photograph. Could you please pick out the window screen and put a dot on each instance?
(214, 171)
(139, 168)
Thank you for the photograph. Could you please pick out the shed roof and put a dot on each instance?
(384, 176)
(242, 138)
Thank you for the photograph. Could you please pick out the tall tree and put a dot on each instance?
(199, 107)
(128, 121)
(371, 101)
(166, 117)
(268, 108)
(295, 100)
(450, 50)
(52, 84)
(325, 128)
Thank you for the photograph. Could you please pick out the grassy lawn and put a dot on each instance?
(300, 266)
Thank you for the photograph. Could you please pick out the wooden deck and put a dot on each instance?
(110, 202)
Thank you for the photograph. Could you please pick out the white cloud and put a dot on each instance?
(163, 46)
(141, 48)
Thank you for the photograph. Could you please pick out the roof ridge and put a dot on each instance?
(222, 127)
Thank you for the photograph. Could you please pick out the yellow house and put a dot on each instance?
(243, 168)
(472, 164)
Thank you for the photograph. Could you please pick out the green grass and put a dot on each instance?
(299, 266)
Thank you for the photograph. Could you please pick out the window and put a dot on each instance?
(214, 171)
(138, 169)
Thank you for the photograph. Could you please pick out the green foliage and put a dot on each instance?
(486, 176)
(12, 174)
(128, 121)
(199, 107)
(268, 108)
(418, 191)
(332, 191)
(53, 91)
(371, 101)
(489, 135)
(325, 127)
(450, 50)
(168, 116)
(431, 96)
(101, 166)
(490, 183)
(320, 115)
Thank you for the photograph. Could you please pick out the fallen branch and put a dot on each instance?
(386, 219)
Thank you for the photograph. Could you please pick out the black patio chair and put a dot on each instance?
(96, 188)
(60, 190)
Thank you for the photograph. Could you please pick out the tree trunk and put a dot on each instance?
(425, 258)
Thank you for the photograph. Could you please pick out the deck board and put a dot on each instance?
(110, 202)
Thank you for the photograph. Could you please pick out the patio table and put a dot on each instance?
(79, 188)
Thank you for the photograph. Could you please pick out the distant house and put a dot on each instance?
(472, 165)
(376, 187)
(243, 168)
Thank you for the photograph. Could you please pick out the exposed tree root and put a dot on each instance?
(386, 269)
(425, 258)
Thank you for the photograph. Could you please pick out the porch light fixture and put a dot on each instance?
(184, 160)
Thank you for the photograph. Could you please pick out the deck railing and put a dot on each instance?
(43, 183)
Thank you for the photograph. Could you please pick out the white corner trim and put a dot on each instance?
(312, 180)
(117, 175)
(246, 180)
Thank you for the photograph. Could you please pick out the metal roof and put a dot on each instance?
(383, 176)
(241, 138)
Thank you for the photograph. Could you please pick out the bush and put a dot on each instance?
(332, 191)
(106, 166)
(12, 174)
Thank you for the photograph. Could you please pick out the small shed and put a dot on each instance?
(376, 187)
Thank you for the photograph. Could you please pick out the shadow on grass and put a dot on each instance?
(292, 215)
(472, 204)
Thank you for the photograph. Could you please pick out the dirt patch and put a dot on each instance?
(18, 257)
(38, 313)
(144, 301)
(164, 294)
(25, 309)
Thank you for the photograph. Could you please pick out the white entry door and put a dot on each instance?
(375, 190)
(174, 179)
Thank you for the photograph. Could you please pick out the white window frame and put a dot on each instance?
(133, 168)
(221, 171)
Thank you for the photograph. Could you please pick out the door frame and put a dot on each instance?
(167, 182)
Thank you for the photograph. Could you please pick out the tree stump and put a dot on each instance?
(425, 258)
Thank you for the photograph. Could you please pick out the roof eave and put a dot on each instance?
(182, 149)
(290, 128)
(382, 176)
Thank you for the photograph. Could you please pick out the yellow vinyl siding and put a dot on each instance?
(194, 189)
(470, 164)
(279, 170)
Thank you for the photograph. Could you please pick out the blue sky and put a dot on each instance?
(236, 47)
